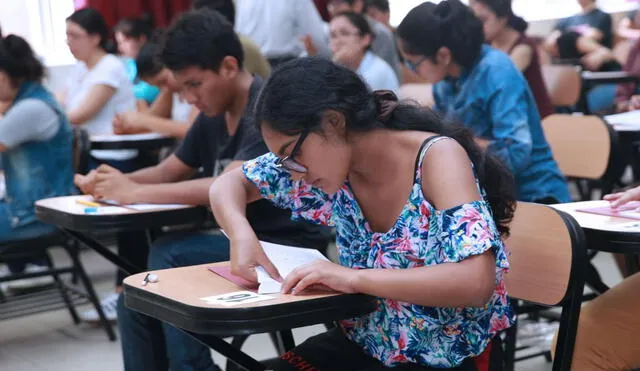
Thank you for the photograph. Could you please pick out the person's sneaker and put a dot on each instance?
(27, 284)
(109, 305)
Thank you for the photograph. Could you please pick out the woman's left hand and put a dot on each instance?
(320, 273)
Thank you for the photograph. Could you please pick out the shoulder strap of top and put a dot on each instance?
(422, 153)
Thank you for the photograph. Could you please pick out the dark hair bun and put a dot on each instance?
(429, 27)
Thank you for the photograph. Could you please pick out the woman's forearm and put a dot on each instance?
(161, 125)
(228, 200)
(468, 283)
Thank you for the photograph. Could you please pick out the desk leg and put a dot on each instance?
(283, 340)
(105, 252)
(631, 263)
(229, 351)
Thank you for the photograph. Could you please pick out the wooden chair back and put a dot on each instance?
(581, 145)
(548, 260)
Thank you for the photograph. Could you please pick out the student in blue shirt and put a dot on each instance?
(131, 34)
(482, 88)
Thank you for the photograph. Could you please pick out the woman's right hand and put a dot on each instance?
(621, 198)
(247, 254)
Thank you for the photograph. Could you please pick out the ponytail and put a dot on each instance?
(517, 23)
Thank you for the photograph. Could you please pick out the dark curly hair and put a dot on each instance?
(298, 93)
(18, 60)
(429, 27)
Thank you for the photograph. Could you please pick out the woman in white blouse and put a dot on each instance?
(98, 88)
(350, 42)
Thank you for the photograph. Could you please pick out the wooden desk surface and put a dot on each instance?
(177, 299)
(189, 284)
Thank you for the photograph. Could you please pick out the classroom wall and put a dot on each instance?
(56, 77)
(18, 25)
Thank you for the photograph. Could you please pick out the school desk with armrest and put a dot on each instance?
(176, 298)
(627, 125)
(79, 220)
(618, 235)
(593, 79)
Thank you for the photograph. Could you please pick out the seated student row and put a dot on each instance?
(101, 93)
(416, 62)
(196, 81)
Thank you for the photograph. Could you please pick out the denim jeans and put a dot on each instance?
(150, 345)
(601, 98)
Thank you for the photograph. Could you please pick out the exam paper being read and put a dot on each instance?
(286, 259)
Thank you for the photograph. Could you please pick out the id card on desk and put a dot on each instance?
(236, 298)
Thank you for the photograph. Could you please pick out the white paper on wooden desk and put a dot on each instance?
(286, 259)
(126, 137)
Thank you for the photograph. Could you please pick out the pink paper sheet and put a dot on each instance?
(225, 272)
(628, 211)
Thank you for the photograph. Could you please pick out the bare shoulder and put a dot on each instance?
(448, 179)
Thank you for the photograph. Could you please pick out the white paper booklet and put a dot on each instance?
(286, 259)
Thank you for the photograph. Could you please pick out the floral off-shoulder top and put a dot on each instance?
(399, 332)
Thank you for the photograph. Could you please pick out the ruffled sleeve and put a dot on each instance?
(276, 185)
(468, 230)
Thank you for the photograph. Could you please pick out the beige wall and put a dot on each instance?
(18, 25)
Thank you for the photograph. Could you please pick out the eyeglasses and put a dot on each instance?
(414, 66)
(343, 34)
(289, 162)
